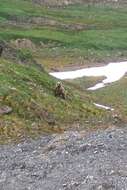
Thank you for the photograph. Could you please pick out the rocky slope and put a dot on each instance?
(71, 161)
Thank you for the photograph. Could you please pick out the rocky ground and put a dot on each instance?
(71, 161)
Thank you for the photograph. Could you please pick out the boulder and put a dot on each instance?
(23, 43)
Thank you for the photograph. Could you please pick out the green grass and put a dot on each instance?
(114, 95)
(103, 37)
(70, 14)
(85, 82)
(30, 93)
(97, 45)
(29, 90)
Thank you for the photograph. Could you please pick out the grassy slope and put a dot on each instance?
(29, 92)
(103, 37)
(115, 95)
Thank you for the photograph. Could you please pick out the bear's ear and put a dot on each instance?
(58, 83)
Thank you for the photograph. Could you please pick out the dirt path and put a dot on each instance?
(71, 161)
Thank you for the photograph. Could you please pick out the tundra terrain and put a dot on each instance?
(51, 143)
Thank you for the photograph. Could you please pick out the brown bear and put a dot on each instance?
(59, 90)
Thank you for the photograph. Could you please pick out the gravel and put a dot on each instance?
(74, 160)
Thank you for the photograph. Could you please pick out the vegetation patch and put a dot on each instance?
(95, 33)
(35, 109)
(114, 95)
(65, 36)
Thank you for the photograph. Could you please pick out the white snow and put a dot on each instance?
(113, 72)
(104, 107)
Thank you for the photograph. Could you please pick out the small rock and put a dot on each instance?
(51, 122)
(122, 173)
(100, 187)
(110, 136)
(5, 110)
(23, 166)
(64, 185)
(89, 177)
(23, 43)
(112, 172)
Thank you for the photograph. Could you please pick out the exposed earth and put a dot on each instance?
(70, 161)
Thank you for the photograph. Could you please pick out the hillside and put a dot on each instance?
(72, 35)
(29, 92)
(73, 142)
(38, 39)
